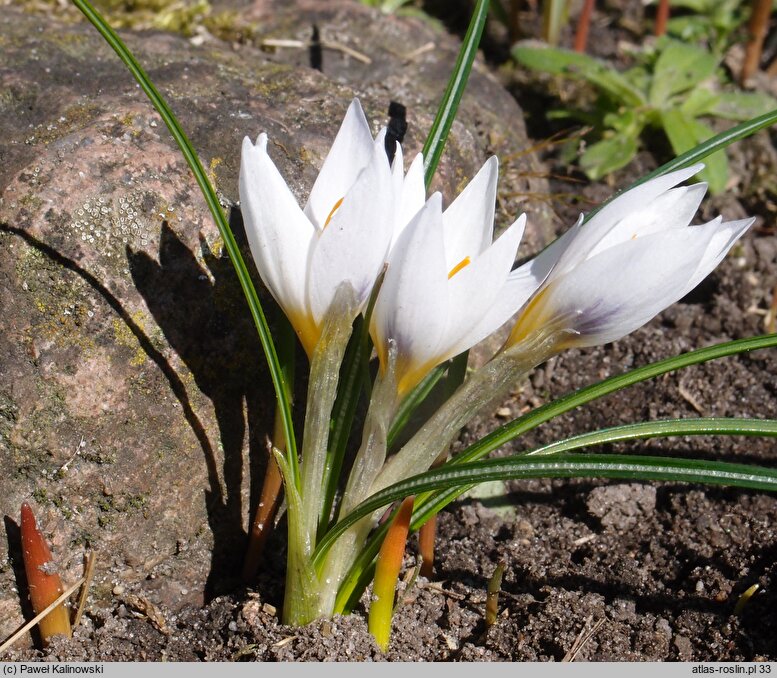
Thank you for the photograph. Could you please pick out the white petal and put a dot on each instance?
(476, 309)
(540, 267)
(278, 232)
(621, 289)
(469, 221)
(520, 285)
(412, 304)
(673, 209)
(726, 234)
(634, 200)
(353, 246)
(350, 153)
(398, 170)
(412, 196)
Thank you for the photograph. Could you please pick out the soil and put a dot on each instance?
(607, 571)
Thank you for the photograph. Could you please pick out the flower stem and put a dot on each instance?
(322, 391)
(490, 384)
(368, 463)
(300, 600)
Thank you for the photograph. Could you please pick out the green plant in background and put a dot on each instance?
(387, 6)
(714, 22)
(673, 88)
(602, 279)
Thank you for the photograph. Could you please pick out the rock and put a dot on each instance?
(620, 506)
(409, 59)
(135, 398)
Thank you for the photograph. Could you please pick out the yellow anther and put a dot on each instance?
(464, 262)
(332, 213)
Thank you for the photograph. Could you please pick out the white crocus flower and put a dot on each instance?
(342, 235)
(636, 256)
(447, 286)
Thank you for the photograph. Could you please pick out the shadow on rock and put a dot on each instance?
(203, 315)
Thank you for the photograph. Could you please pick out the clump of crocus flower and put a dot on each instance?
(447, 286)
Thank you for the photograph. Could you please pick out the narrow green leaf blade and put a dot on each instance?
(563, 466)
(200, 176)
(532, 419)
(685, 132)
(703, 426)
(446, 114)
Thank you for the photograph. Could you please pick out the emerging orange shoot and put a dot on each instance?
(42, 579)
(387, 573)
(426, 538)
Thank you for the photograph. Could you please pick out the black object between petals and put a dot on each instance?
(396, 128)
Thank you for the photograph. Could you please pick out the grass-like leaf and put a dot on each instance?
(704, 426)
(200, 176)
(431, 503)
(449, 105)
(711, 145)
(562, 466)
(532, 419)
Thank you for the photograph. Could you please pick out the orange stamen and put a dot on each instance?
(332, 213)
(464, 262)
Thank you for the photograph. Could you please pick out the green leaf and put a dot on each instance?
(580, 66)
(532, 419)
(427, 506)
(608, 155)
(700, 101)
(413, 400)
(446, 113)
(700, 152)
(561, 466)
(685, 132)
(743, 105)
(679, 67)
(702, 426)
(211, 199)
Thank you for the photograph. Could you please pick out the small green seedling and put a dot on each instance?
(492, 594)
(674, 87)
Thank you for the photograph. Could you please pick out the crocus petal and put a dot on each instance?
(619, 290)
(278, 232)
(634, 200)
(412, 196)
(398, 170)
(516, 290)
(349, 154)
(416, 267)
(469, 220)
(673, 209)
(476, 289)
(353, 246)
(539, 268)
(726, 234)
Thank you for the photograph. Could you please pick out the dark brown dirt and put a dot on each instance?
(595, 570)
